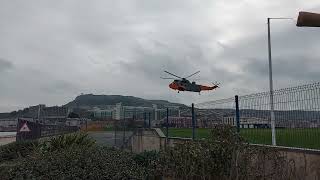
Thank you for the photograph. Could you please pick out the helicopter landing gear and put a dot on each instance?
(178, 91)
(199, 93)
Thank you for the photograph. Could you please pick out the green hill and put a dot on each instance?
(90, 100)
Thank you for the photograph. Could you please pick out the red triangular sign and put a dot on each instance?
(24, 128)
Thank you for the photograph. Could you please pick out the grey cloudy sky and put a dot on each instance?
(51, 51)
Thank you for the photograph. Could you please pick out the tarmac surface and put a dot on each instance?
(104, 138)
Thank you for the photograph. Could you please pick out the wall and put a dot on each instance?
(302, 163)
(147, 140)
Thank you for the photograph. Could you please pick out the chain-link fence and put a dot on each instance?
(131, 120)
(165, 118)
(296, 110)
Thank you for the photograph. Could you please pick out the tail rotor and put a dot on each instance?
(216, 84)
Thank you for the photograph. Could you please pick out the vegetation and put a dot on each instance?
(17, 150)
(67, 157)
(304, 138)
(77, 163)
(108, 128)
(149, 160)
(223, 155)
(67, 141)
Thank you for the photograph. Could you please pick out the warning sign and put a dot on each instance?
(24, 128)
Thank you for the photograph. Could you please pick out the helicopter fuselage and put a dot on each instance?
(185, 85)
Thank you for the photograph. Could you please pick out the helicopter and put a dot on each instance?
(183, 84)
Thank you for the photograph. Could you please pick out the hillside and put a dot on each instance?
(90, 100)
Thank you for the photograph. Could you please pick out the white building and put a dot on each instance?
(247, 122)
(103, 113)
(119, 112)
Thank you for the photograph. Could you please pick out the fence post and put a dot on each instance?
(115, 126)
(149, 120)
(124, 128)
(167, 123)
(193, 122)
(237, 113)
(86, 125)
(144, 119)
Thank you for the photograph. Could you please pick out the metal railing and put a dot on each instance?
(297, 116)
(131, 122)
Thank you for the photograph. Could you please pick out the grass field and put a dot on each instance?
(109, 128)
(302, 138)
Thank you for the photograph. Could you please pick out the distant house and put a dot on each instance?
(77, 121)
(178, 122)
(102, 113)
(139, 113)
(247, 122)
(8, 124)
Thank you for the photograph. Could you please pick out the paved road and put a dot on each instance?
(7, 140)
(107, 138)
(104, 138)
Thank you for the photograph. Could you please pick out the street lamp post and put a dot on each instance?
(272, 116)
(305, 19)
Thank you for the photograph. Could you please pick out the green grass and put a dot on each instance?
(108, 128)
(303, 138)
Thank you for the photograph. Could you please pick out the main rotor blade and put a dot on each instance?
(192, 74)
(173, 74)
(166, 78)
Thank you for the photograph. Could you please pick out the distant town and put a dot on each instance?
(99, 107)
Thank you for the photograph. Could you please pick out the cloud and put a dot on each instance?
(5, 65)
(58, 50)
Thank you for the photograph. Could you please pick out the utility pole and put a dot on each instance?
(237, 113)
(149, 120)
(193, 121)
(167, 123)
(39, 111)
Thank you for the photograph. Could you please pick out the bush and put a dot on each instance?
(224, 155)
(22, 149)
(67, 141)
(16, 150)
(79, 163)
(149, 160)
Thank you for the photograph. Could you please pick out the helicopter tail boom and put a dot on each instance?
(208, 88)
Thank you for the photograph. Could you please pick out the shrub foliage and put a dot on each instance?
(17, 150)
(78, 163)
(225, 155)
(67, 141)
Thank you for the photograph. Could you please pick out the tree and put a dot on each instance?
(73, 115)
